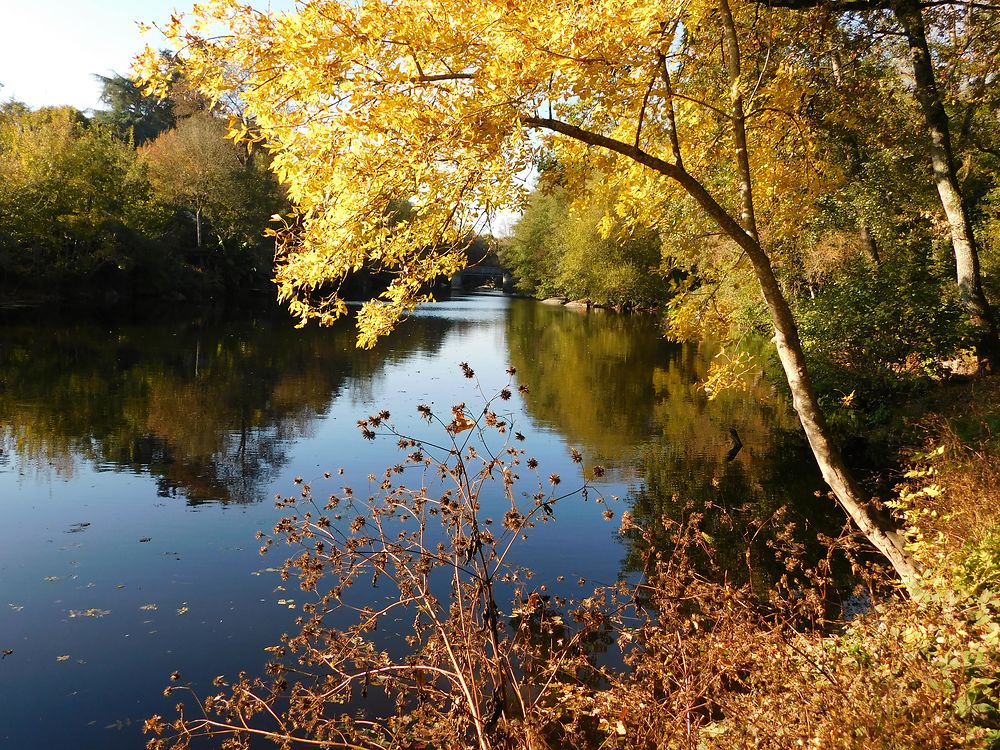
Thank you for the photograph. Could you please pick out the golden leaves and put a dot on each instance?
(370, 104)
(729, 372)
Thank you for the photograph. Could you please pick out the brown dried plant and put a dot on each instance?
(473, 672)
(492, 661)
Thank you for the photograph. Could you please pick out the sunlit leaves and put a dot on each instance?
(365, 104)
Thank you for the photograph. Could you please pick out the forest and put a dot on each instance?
(144, 200)
(812, 186)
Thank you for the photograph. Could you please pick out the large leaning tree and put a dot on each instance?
(447, 104)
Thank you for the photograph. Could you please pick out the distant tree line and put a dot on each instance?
(145, 199)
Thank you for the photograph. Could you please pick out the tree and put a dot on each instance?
(136, 118)
(927, 91)
(63, 183)
(578, 248)
(194, 166)
(446, 105)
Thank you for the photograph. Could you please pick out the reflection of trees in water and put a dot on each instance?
(207, 410)
(589, 375)
(611, 384)
(616, 390)
(420, 334)
(738, 501)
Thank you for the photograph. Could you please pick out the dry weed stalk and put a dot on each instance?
(472, 674)
(709, 663)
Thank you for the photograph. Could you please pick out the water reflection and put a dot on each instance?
(208, 410)
(616, 389)
(591, 376)
(101, 425)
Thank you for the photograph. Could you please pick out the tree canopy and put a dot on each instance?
(136, 117)
(447, 105)
(84, 218)
(194, 166)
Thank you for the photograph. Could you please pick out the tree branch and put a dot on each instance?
(834, 5)
(675, 144)
(642, 110)
(692, 186)
(444, 77)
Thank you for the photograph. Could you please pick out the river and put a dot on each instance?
(138, 462)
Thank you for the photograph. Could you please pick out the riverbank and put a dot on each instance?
(916, 672)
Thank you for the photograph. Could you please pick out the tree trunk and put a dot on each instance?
(786, 337)
(970, 287)
(831, 464)
(869, 244)
(731, 56)
(887, 541)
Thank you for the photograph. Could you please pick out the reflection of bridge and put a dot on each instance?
(476, 276)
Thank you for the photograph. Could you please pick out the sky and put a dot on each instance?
(51, 49)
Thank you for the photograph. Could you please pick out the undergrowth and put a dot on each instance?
(492, 659)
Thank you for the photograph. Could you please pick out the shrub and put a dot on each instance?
(707, 663)
(875, 333)
(476, 672)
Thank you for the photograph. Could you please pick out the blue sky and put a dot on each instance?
(50, 49)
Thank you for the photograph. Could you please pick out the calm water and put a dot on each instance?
(137, 463)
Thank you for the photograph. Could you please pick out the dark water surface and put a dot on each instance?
(137, 463)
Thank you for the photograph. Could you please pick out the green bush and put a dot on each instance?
(874, 333)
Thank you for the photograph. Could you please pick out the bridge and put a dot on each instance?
(472, 277)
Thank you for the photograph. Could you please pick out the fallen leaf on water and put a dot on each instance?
(92, 612)
(265, 570)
